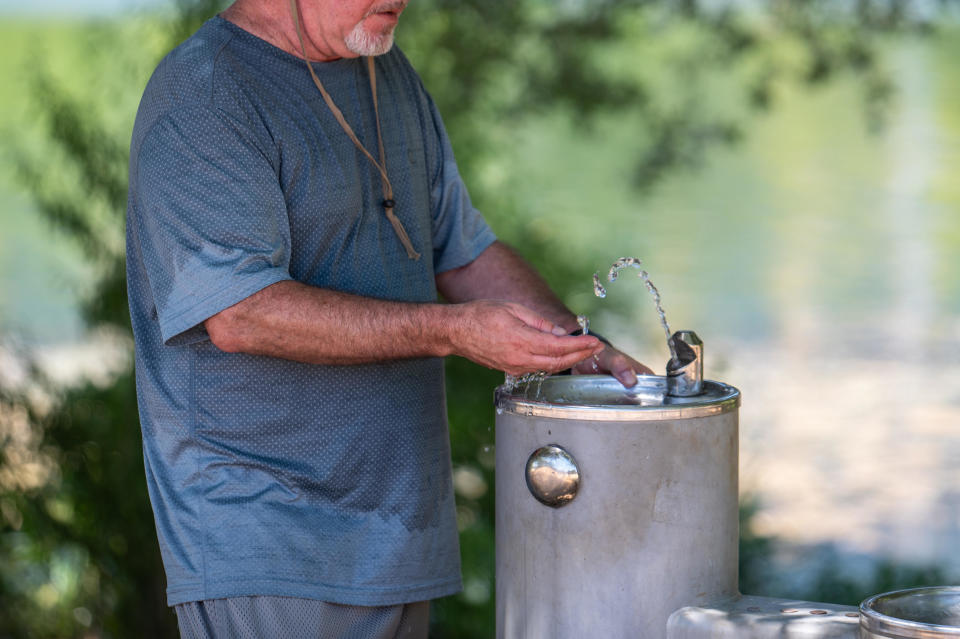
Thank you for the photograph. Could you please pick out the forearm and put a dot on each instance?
(500, 273)
(294, 321)
(320, 326)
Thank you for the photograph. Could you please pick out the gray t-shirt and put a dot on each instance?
(268, 476)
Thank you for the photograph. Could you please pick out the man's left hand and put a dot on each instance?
(612, 362)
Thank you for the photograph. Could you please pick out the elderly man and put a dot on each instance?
(290, 225)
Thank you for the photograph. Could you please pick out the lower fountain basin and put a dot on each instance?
(918, 613)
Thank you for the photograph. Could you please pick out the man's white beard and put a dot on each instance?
(361, 42)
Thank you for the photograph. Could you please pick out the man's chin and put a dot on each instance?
(364, 43)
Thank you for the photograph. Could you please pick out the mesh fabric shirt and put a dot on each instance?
(269, 476)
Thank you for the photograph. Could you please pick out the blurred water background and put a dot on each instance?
(816, 254)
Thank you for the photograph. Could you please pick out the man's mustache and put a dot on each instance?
(385, 7)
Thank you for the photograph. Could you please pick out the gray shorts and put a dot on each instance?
(294, 618)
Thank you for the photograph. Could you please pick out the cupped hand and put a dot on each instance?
(512, 338)
(610, 361)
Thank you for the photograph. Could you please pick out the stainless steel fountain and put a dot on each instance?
(617, 517)
(615, 506)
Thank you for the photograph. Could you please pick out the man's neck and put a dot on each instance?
(273, 22)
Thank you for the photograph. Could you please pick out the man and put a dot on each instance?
(289, 229)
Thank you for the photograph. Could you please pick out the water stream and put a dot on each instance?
(614, 273)
(513, 382)
(584, 322)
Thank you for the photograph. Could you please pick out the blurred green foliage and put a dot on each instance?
(78, 553)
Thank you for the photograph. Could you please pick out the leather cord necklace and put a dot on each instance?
(381, 166)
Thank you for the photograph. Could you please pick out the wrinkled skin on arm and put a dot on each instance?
(320, 326)
(502, 315)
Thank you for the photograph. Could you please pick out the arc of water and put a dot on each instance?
(614, 273)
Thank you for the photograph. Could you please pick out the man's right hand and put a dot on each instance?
(514, 339)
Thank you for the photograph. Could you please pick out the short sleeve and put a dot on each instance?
(210, 216)
(460, 234)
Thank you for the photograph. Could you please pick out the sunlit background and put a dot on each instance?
(797, 203)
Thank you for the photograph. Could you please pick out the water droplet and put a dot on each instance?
(598, 289)
(584, 322)
(541, 375)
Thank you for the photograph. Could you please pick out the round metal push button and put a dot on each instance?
(553, 476)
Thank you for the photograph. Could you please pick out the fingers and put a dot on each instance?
(625, 376)
(550, 344)
(624, 368)
(560, 363)
(546, 352)
(639, 369)
(553, 350)
(546, 346)
(554, 359)
(517, 340)
(611, 361)
(536, 321)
